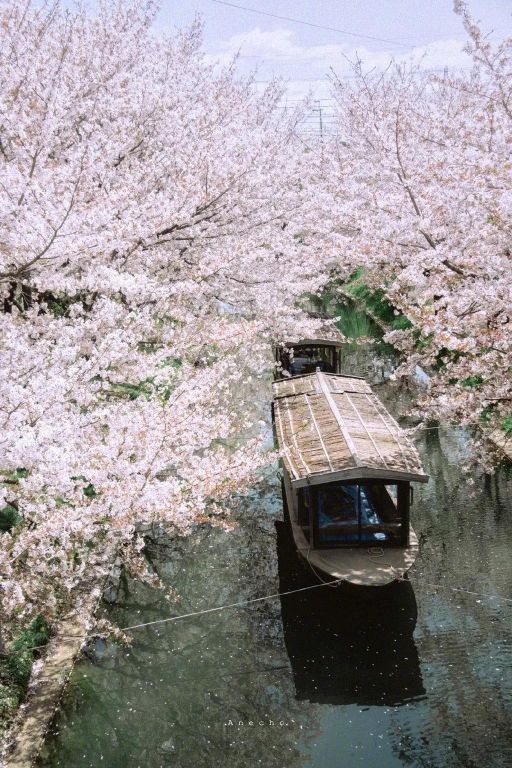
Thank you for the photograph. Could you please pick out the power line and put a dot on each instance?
(311, 24)
(326, 77)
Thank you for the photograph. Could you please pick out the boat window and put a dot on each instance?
(301, 360)
(380, 521)
(337, 512)
(393, 492)
(360, 514)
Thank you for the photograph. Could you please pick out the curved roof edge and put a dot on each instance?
(358, 473)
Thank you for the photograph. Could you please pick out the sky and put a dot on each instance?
(375, 30)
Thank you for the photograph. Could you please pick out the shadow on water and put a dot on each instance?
(346, 644)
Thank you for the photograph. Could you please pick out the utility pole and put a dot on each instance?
(320, 119)
(320, 127)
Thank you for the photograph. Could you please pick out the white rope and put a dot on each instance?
(231, 605)
(243, 603)
(275, 595)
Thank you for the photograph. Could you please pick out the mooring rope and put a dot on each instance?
(273, 596)
(301, 589)
(240, 604)
(244, 603)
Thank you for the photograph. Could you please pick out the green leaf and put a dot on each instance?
(90, 491)
(506, 424)
(9, 517)
(473, 381)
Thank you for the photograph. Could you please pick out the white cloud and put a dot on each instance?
(278, 52)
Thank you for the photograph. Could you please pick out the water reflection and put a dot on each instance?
(347, 645)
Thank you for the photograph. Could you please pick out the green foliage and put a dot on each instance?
(443, 357)
(147, 388)
(173, 362)
(315, 303)
(422, 342)
(90, 491)
(506, 424)
(354, 324)
(126, 391)
(401, 323)
(12, 477)
(486, 413)
(37, 633)
(59, 304)
(9, 701)
(9, 517)
(374, 299)
(472, 381)
(356, 274)
(16, 666)
(63, 502)
(58, 307)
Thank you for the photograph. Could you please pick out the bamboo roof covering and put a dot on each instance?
(331, 427)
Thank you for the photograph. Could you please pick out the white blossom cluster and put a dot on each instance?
(152, 246)
(420, 173)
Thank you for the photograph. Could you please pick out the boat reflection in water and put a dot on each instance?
(348, 644)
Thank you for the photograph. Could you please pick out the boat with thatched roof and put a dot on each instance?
(348, 469)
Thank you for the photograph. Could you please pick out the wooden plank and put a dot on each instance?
(337, 415)
(294, 438)
(284, 447)
(319, 434)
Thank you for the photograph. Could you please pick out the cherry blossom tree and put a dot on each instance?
(420, 173)
(153, 242)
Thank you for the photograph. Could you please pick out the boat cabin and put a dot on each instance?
(308, 355)
(362, 514)
(348, 472)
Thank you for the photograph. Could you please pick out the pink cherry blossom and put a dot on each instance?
(420, 176)
(150, 207)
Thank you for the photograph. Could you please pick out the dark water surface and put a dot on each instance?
(415, 674)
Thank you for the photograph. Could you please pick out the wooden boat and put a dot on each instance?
(307, 355)
(347, 473)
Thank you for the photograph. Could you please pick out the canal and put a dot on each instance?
(416, 674)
